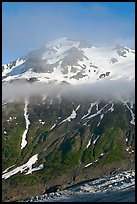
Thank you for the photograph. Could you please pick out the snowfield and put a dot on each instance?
(23, 168)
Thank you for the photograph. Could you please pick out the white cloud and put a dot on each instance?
(100, 89)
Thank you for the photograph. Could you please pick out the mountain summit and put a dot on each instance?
(72, 62)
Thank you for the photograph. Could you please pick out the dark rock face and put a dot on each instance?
(104, 75)
(107, 73)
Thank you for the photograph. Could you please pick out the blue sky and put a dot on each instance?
(28, 25)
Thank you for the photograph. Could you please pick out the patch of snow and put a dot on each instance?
(52, 126)
(10, 119)
(78, 107)
(96, 160)
(96, 139)
(88, 165)
(8, 168)
(131, 111)
(98, 112)
(97, 106)
(89, 110)
(41, 122)
(101, 116)
(72, 116)
(26, 115)
(127, 149)
(89, 143)
(111, 108)
(22, 168)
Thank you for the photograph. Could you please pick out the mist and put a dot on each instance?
(103, 89)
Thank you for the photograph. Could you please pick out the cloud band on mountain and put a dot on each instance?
(104, 89)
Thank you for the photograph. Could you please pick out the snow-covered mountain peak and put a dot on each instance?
(64, 60)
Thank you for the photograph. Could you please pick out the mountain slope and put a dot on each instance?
(61, 136)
